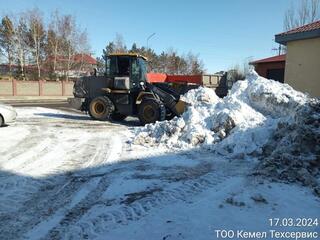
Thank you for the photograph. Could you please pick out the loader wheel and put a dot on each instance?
(170, 115)
(101, 108)
(118, 116)
(151, 110)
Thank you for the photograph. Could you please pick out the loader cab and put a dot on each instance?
(127, 70)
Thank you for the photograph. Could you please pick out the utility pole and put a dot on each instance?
(278, 49)
(149, 39)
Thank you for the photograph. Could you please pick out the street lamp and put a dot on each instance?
(149, 39)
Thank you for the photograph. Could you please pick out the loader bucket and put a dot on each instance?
(180, 107)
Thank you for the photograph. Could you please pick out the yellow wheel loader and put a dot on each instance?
(124, 91)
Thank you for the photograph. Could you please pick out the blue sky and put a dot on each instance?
(223, 33)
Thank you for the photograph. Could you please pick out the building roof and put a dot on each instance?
(311, 30)
(85, 58)
(304, 28)
(279, 58)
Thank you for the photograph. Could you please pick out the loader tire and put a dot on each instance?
(170, 115)
(101, 108)
(117, 116)
(151, 110)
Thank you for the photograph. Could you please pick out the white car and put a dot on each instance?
(7, 114)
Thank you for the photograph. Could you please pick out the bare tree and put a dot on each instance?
(195, 65)
(306, 12)
(169, 61)
(289, 18)
(7, 35)
(37, 36)
(120, 46)
(100, 65)
(26, 37)
(83, 49)
(21, 43)
(236, 73)
(54, 41)
(314, 11)
(303, 13)
(69, 35)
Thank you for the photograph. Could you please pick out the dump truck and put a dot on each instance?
(183, 83)
(124, 91)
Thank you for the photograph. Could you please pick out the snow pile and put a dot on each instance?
(239, 124)
(293, 152)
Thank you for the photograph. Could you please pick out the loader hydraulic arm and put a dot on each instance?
(169, 100)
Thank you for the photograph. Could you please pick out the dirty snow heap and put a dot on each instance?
(241, 123)
(259, 117)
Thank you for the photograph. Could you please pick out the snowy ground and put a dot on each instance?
(64, 176)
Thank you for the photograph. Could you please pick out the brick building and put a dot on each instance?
(271, 68)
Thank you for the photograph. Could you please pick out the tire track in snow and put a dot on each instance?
(34, 154)
(92, 187)
(16, 144)
(29, 141)
(44, 226)
(28, 155)
(95, 215)
(15, 190)
(122, 214)
(65, 205)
